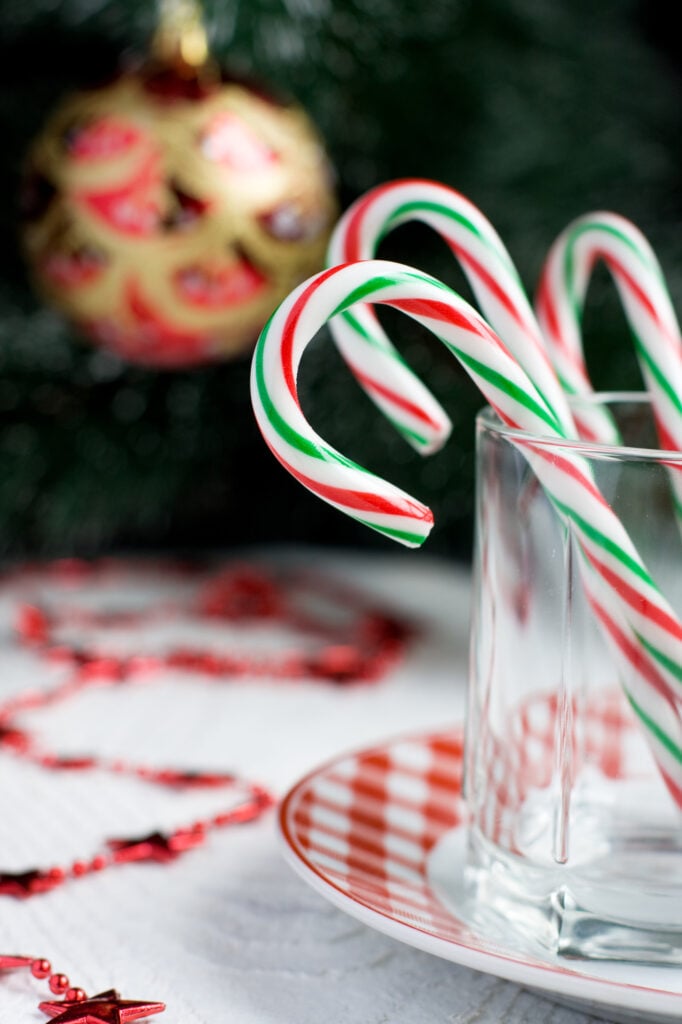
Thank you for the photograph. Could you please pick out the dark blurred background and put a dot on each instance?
(538, 110)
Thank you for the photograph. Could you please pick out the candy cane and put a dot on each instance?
(643, 292)
(635, 618)
(494, 279)
(491, 273)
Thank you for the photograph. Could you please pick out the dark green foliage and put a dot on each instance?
(536, 109)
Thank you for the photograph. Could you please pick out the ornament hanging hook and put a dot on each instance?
(180, 37)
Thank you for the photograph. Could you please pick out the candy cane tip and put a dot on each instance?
(408, 540)
(433, 444)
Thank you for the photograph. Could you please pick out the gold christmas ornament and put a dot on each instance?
(169, 212)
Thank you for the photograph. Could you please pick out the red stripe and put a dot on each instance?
(391, 396)
(641, 604)
(634, 655)
(675, 790)
(354, 251)
(488, 280)
(640, 295)
(664, 436)
(352, 248)
(289, 329)
(545, 302)
(361, 501)
(570, 469)
(585, 430)
(548, 311)
(352, 243)
(667, 440)
(444, 312)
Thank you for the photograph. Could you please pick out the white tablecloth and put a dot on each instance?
(228, 933)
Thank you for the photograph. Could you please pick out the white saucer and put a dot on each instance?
(379, 833)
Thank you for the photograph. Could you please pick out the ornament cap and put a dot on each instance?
(180, 38)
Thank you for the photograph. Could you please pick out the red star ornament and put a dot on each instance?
(25, 883)
(156, 846)
(105, 1008)
(190, 780)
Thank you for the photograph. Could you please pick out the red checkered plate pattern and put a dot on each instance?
(378, 833)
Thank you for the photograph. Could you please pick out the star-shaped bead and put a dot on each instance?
(191, 780)
(13, 738)
(27, 883)
(105, 1008)
(156, 846)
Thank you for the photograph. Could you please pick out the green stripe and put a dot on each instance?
(415, 207)
(356, 326)
(608, 229)
(280, 425)
(423, 441)
(366, 289)
(566, 386)
(360, 293)
(411, 538)
(657, 655)
(656, 373)
(569, 263)
(605, 543)
(672, 666)
(652, 726)
(503, 384)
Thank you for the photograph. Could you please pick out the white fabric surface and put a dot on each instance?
(228, 933)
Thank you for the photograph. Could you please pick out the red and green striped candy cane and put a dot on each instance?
(493, 278)
(639, 279)
(498, 289)
(636, 621)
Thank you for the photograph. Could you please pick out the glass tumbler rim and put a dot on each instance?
(488, 420)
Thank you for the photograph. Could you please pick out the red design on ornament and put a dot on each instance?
(220, 287)
(289, 223)
(232, 143)
(133, 208)
(102, 139)
(72, 269)
(149, 339)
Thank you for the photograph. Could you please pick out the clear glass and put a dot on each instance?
(574, 841)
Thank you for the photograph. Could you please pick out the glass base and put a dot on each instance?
(624, 906)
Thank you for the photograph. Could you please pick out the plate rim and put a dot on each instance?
(534, 974)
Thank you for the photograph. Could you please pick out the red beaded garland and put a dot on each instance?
(236, 595)
(41, 968)
(104, 1008)
(74, 995)
(58, 984)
